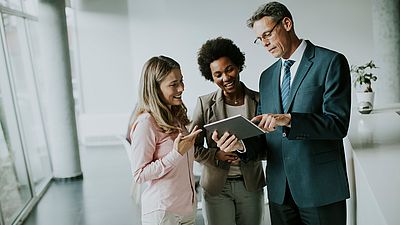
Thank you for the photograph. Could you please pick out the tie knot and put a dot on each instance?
(288, 63)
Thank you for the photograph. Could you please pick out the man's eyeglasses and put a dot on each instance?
(266, 34)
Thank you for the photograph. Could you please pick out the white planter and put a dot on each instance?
(365, 97)
(365, 101)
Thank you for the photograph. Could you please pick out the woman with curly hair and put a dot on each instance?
(162, 152)
(232, 185)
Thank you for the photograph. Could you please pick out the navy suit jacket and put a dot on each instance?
(309, 155)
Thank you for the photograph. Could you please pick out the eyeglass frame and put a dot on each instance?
(267, 34)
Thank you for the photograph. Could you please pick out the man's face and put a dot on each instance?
(274, 36)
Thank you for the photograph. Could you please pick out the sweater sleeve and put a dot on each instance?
(143, 147)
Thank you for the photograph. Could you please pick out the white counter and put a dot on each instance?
(375, 142)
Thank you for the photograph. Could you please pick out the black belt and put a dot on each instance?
(235, 178)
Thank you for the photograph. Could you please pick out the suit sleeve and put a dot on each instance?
(257, 145)
(202, 154)
(333, 122)
(256, 148)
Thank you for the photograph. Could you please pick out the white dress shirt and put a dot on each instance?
(296, 56)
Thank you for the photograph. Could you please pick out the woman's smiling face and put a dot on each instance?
(172, 88)
(225, 75)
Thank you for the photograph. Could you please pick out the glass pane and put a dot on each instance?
(36, 57)
(27, 101)
(12, 4)
(15, 190)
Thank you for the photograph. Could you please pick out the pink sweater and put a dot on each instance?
(168, 174)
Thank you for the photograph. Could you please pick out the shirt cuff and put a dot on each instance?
(242, 150)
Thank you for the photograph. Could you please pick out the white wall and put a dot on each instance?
(103, 37)
(117, 37)
(178, 29)
(106, 78)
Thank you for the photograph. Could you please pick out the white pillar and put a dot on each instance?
(58, 103)
(386, 33)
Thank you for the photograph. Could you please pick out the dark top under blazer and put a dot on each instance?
(310, 154)
(211, 108)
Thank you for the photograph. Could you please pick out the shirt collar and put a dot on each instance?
(298, 53)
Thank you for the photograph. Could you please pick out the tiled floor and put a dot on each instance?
(100, 198)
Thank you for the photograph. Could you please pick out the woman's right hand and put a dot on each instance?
(183, 143)
(226, 156)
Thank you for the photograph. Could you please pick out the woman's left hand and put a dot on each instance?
(183, 143)
(228, 142)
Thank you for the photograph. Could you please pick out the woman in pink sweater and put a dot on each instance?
(161, 147)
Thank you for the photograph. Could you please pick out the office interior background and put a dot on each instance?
(68, 82)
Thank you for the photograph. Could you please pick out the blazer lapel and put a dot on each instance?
(219, 108)
(302, 71)
(250, 102)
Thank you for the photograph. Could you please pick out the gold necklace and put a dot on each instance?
(236, 101)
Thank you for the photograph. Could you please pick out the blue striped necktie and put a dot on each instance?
(285, 88)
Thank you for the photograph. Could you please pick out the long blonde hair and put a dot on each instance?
(154, 71)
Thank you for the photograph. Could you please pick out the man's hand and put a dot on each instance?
(269, 122)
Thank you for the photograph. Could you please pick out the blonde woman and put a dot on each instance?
(162, 150)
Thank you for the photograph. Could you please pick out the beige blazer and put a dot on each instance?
(211, 108)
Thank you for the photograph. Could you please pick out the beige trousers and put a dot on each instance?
(162, 217)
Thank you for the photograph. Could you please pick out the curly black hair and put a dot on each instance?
(216, 48)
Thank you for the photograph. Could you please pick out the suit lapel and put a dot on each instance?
(302, 71)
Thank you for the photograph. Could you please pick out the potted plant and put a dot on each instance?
(362, 79)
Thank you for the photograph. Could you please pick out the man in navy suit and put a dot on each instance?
(305, 107)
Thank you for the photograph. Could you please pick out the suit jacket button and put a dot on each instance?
(283, 134)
